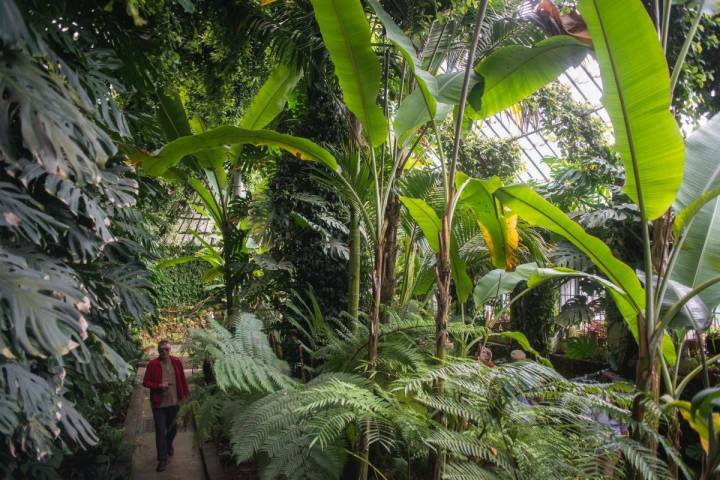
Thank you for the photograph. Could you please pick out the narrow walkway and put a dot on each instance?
(186, 464)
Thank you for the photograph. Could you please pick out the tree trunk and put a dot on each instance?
(647, 381)
(373, 326)
(228, 276)
(442, 295)
(442, 312)
(374, 320)
(392, 215)
(354, 266)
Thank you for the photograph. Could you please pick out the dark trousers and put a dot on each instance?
(165, 430)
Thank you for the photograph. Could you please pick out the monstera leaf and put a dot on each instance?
(50, 105)
(40, 302)
(21, 213)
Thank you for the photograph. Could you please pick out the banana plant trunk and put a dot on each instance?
(443, 271)
(373, 328)
(392, 216)
(354, 266)
(228, 276)
(442, 294)
(647, 381)
(442, 313)
(374, 320)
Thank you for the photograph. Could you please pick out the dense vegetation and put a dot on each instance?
(359, 246)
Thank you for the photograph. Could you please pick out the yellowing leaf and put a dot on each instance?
(512, 241)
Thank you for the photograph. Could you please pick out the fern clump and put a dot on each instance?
(242, 360)
(514, 421)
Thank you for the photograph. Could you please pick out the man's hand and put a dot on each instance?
(164, 386)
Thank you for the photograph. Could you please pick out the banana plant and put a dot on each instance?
(231, 259)
(199, 158)
(636, 95)
(347, 37)
(498, 81)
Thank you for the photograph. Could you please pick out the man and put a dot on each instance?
(485, 357)
(165, 378)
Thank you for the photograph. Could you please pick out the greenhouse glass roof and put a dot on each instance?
(585, 86)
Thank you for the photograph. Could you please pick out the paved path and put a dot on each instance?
(186, 464)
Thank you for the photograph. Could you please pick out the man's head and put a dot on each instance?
(164, 349)
(485, 355)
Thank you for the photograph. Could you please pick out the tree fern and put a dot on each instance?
(243, 360)
(292, 428)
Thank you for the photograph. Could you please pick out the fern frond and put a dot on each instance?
(243, 360)
(458, 470)
(643, 461)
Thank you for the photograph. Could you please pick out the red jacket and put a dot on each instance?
(153, 379)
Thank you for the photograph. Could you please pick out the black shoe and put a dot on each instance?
(161, 467)
(171, 451)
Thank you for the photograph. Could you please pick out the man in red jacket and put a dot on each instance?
(165, 378)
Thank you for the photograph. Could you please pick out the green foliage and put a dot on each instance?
(693, 97)
(699, 259)
(74, 283)
(485, 157)
(515, 72)
(581, 348)
(292, 191)
(243, 360)
(534, 314)
(427, 83)
(636, 93)
(180, 285)
(511, 421)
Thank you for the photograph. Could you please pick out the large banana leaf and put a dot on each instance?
(346, 35)
(426, 82)
(498, 282)
(699, 259)
(426, 218)
(478, 197)
(430, 224)
(209, 201)
(271, 98)
(174, 151)
(694, 314)
(413, 112)
(636, 94)
(515, 72)
(175, 123)
(171, 114)
(539, 212)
